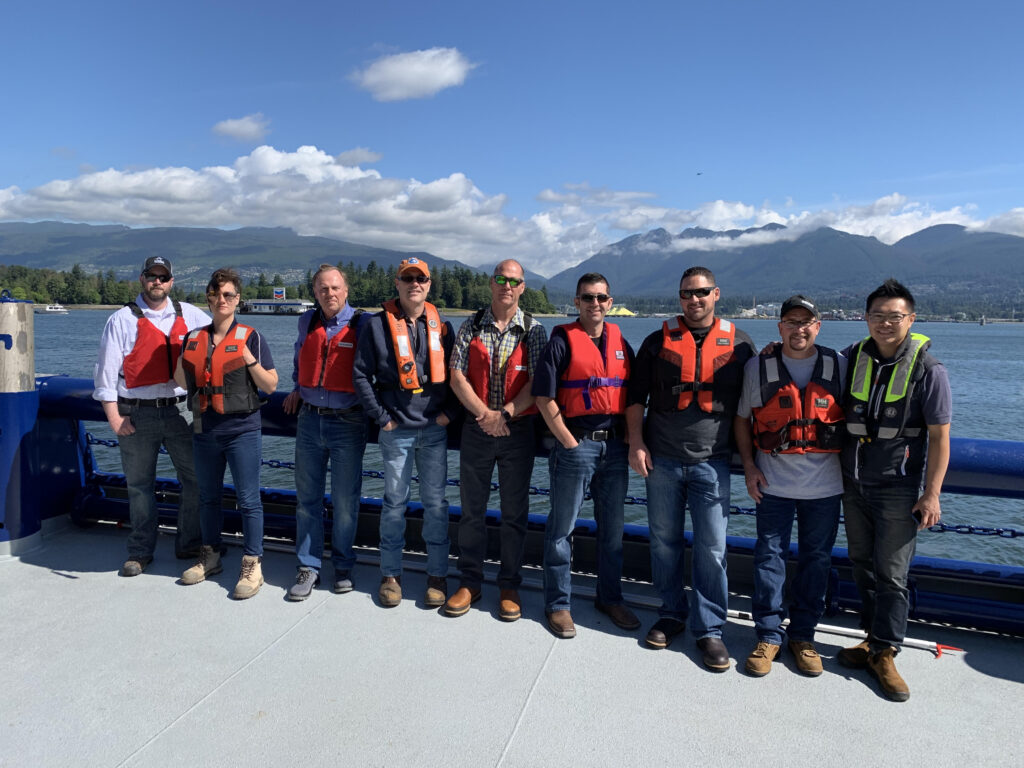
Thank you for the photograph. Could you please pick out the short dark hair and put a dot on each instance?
(699, 272)
(591, 277)
(890, 289)
(221, 276)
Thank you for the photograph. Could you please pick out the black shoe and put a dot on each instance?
(664, 631)
(133, 566)
(714, 654)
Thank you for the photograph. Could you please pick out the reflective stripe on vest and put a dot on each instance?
(895, 392)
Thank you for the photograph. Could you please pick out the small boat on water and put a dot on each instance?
(50, 309)
(275, 307)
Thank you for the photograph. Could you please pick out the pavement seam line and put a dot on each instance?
(223, 683)
(526, 704)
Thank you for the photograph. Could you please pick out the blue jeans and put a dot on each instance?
(398, 448)
(242, 453)
(817, 524)
(881, 534)
(171, 427)
(602, 465)
(671, 485)
(342, 439)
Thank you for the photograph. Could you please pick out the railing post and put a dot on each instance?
(19, 405)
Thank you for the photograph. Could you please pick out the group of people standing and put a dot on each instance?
(815, 429)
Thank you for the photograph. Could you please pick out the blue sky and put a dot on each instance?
(541, 131)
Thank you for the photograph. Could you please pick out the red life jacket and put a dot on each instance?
(800, 421)
(516, 371)
(592, 385)
(408, 376)
(328, 364)
(154, 355)
(697, 365)
(217, 376)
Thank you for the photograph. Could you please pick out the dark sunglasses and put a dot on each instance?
(150, 277)
(502, 280)
(599, 297)
(414, 279)
(700, 293)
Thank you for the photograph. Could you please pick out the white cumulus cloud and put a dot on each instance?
(414, 75)
(358, 156)
(252, 127)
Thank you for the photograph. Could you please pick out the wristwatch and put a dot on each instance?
(506, 416)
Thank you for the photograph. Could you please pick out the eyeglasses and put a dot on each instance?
(414, 279)
(794, 325)
(226, 295)
(149, 277)
(598, 297)
(894, 318)
(514, 282)
(700, 293)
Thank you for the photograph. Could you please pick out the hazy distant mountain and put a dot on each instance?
(194, 252)
(824, 263)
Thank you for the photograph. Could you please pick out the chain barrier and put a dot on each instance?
(975, 530)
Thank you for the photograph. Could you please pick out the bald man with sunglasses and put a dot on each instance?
(688, 375)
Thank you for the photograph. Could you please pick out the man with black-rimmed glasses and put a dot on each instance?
(689, 375)
(133, 379)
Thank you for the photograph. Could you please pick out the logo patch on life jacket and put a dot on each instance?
(520, 367)
(859, 408)
(192, 345)
(347, 344)
(722, 342)
(620, 355)
(432, 323)
(231, 348)
(785, 401)
(821, 402)
(181, 337)
(890, 412)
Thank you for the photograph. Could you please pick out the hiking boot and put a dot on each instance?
(133, 566)
(855, 657)
(759, 662)
(882, 667)
(206, 566)
(306, 580)
(390, 592)
(808, 662)
(437, 591)
(250, 579)
(342, 582)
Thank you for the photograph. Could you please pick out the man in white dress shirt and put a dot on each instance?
(133, 379)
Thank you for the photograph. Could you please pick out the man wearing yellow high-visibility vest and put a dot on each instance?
(898, 408)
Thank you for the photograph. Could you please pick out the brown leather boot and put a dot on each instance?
(561, 624)
(459, 603)
(510, 607)
(855, 657)
(390, 592)
(882, 667)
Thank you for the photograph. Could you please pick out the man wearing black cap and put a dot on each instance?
(133, 379)
(401, 378)
(789, 429)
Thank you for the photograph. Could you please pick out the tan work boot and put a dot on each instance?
(390, 592)
(759, 662)
(855, 657)
(807, 659)
(882, 667)
(250, 579)
(207, 565)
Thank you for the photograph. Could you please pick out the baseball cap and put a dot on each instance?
(412, 264)
(157, 261)
(799, 302)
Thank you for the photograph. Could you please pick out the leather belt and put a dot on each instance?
(158, 402)
(332, 411)
(599, 435)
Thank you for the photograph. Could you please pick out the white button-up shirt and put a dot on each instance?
(118, 341)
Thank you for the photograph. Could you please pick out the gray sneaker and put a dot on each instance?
(306, 580)
(133, 566)
(342, 582)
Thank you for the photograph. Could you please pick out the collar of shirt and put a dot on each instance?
(148, 311)
(517, 319)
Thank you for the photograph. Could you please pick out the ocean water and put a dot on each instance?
(985, 367)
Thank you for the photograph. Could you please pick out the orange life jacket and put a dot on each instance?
(408, 376)
(328, 363)
(154, 355)
(697, 365)
(592, 385)
(479, 364)
(216, 376)
(800, 421)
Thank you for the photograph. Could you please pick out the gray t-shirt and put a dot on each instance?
(792, 475)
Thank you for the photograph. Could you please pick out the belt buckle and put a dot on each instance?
(599, 434)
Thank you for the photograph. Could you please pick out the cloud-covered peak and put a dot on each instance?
(414, 75)
(252, 127)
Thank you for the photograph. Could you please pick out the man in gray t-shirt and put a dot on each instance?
(789, 426)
